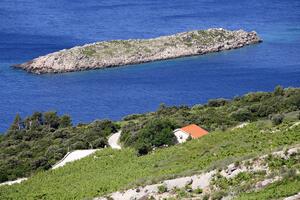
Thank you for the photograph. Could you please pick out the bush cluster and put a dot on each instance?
(142, 130)
(154, 133)
(39, 141)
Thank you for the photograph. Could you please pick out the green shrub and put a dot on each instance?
(242, 115)
(41, 162)
(278, 91)
(3, 176)
(162, 189)
(155, 133)
(277, 119)
(99, 143)
(181, 193)
(79, 145)
(131, 117)
(65, 121)
(205, 197)
(142, 148)
(218, 195)
(217, 102)
(198, 191)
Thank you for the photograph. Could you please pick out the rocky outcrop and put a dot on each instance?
(125, 52)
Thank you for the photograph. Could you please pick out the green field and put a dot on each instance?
(111, 170)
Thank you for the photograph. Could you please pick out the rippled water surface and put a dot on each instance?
(32, 28)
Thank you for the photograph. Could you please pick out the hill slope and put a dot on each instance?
(112, 170)
(255, 177)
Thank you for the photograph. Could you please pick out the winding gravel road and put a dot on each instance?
(113, 140)
(74, 155)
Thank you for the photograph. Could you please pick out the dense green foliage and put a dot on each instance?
(35, 143)
(217, 114)
(155, 133)
(38, 141)
(42, 139)
(111, 170)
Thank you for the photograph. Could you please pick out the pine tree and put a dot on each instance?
(17, 124)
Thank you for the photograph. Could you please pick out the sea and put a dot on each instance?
(32, 28)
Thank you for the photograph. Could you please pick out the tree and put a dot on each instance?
(17, 123)
(38, 117)
(156, 133)
(142, 149)
(295, 100)
(65, 121)
(162, 109)
(217, 102)
(162, 106)
(99, 143)
(54, 152)
(34, 121)
(278, 91)
(242, 114)
(40, 162)
(3, 176)
(51, 119)
(80, 145)
(103, 127)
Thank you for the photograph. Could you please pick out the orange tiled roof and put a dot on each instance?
(194, 130)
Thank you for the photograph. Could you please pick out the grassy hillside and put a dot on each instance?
(111, 170)
(38, 141)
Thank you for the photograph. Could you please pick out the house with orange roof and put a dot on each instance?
(192, 130)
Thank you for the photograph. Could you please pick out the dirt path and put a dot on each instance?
(113, 140)
(78, 154)
(74, 155)
(13, 182)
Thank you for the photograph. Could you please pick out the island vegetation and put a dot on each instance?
(125, 52)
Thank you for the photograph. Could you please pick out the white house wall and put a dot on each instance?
(181, 135)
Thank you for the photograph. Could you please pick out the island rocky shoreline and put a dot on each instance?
(115, 53)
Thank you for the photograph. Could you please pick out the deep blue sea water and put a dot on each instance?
(30, 28)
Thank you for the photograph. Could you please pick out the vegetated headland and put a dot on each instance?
(114, 53)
